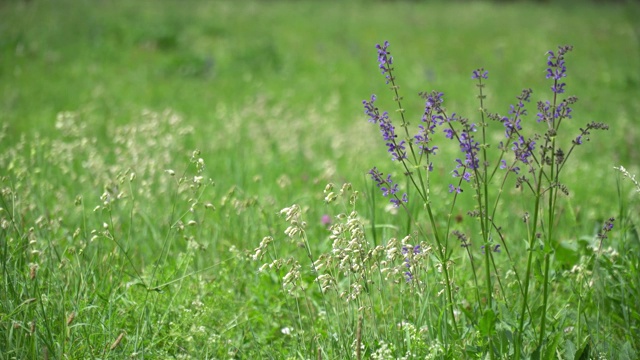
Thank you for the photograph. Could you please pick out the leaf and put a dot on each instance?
(536, 354)
(552, 346)
(583, 354)
(627, 352)
(487, 323)
(569, 350)
(567, 253)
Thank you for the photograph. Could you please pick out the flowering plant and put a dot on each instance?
(535, 159)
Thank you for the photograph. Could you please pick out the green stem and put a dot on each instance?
(527, 277)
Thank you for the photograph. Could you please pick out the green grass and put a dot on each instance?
(107, 228)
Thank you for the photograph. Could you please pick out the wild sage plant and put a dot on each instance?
(416, 283)
(534, 158)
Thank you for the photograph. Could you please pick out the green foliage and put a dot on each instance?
(119, 239)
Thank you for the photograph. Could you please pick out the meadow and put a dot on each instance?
(193, 180)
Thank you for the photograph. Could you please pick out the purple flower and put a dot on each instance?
(449, 133)
(543, 111)
(385, 60)
(469, 147)
(480, 74)
(578, 140)
(422, 139)
(432, 117)
(523, 149)
(372, 111)
(557, 68)
(606, 228)
(396, 202)
(512, 124)
(326, 220)
(395, 148)
(495, 248)
(388, 188)
(409, 252)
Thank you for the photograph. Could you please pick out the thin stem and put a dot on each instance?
(423, 191)
(484, 213)
(527, 277)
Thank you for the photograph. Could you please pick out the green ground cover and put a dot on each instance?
(148, 147)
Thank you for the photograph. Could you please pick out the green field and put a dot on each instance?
(148, 148)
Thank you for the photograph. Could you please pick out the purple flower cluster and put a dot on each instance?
(385, 61)
(557, 69)
(409, 251)
(523, 149)
(395, 148)
(480, 74)
(561, 111)
(495, 248)
(516, 112)
(432, 117)
(470, 147)
(606, 228)
(388, 188)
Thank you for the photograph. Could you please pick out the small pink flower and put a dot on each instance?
(326, 220)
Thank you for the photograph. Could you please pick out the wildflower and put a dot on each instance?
(495, 248)
(385, 61)
(389, 189)
(326, 220)
(409, 252)
(512, 124)
(578, 140)
(432, 117)
(557, 69)
(480, 74)
(606, 228)
(523, 149)
(468, 145)
(464, 240)
(397, 149)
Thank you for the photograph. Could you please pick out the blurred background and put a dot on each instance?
(276, 72)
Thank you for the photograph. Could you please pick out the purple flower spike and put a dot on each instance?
(388, 188)
(480, 74)
(557, 69)
(385, 60)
